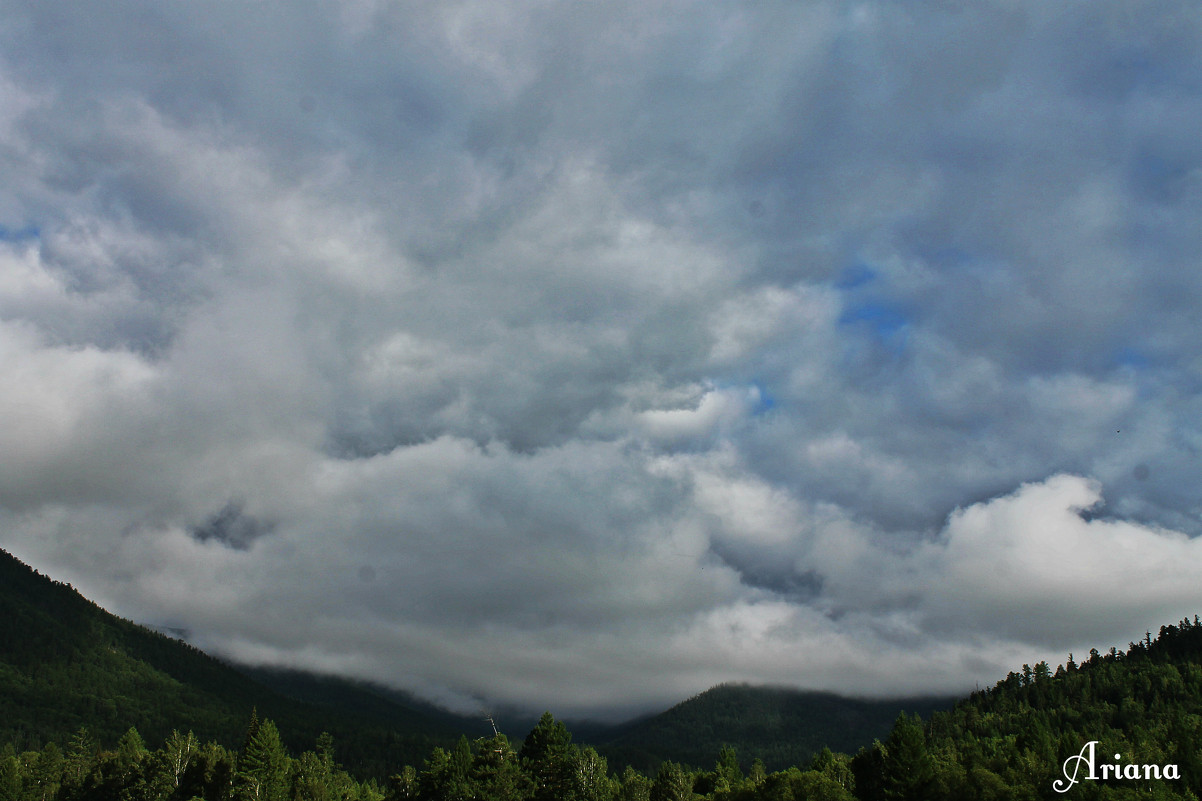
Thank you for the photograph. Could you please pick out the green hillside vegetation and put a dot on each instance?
(65, 663)
(779, 726)
(1144, 703)
(1008, 742)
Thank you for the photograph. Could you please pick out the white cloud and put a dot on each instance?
(1031, 567)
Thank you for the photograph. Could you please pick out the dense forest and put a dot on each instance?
(66, 663)
(1008, 742)
(1128, 708)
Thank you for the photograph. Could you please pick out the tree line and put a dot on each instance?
(1008, 742)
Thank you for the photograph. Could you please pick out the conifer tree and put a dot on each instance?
(263, 767)
(10, 778)
(909, 772)
(590, 779)
(496, 773)
(546, 757)
(81, 753)
(46, 773)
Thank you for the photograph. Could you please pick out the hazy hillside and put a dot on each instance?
(66, 663)
(780, 726)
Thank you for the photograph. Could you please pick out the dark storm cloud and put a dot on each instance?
(586, 355)
(231, 528)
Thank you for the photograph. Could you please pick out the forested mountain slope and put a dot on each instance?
(1143, 704)
(779, 726)
(66, 663)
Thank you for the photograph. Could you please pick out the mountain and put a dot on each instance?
(1141, 706)
(777, 725)
(67, 663)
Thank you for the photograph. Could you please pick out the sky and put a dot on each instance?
(581, 356)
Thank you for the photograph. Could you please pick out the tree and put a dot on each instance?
(909, 772)
(727, 775)
(46, 773)
(757, 774)
(868, 768)
(81, 753)
(10, 778)
(312, 779)
(263, 766)
(590, 779)
(131, 749)
(633, 786)
(836, 767)
(496, 772)
(402, 786)
(672, 784)
(178, 753)
(209, 775)
(545, 756)
(445, 777)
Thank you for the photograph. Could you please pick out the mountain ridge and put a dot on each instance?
(54, 642)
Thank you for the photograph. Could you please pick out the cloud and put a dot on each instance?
(587, 356)
(1008, 562)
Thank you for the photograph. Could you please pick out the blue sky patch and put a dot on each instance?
(884, 320)
(19, 234)
(855, 276)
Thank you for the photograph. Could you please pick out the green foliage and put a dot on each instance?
(633, 786)
(1007, 742)
(263, 766)
(908, 772)
(672, 783)
(65, 663)
(546, 755)
(1010, 741)
(497, 773)
(10, 778)
(780, 727)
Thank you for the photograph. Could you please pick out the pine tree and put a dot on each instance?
(46, 773)
(496, 773)
(81, 753)
(546, 757)
(263, 767)
(10, 778)
(909, 771)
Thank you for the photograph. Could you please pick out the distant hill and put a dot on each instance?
(780, 726)
(1143, 704)
(66, 663)
(364, 699)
